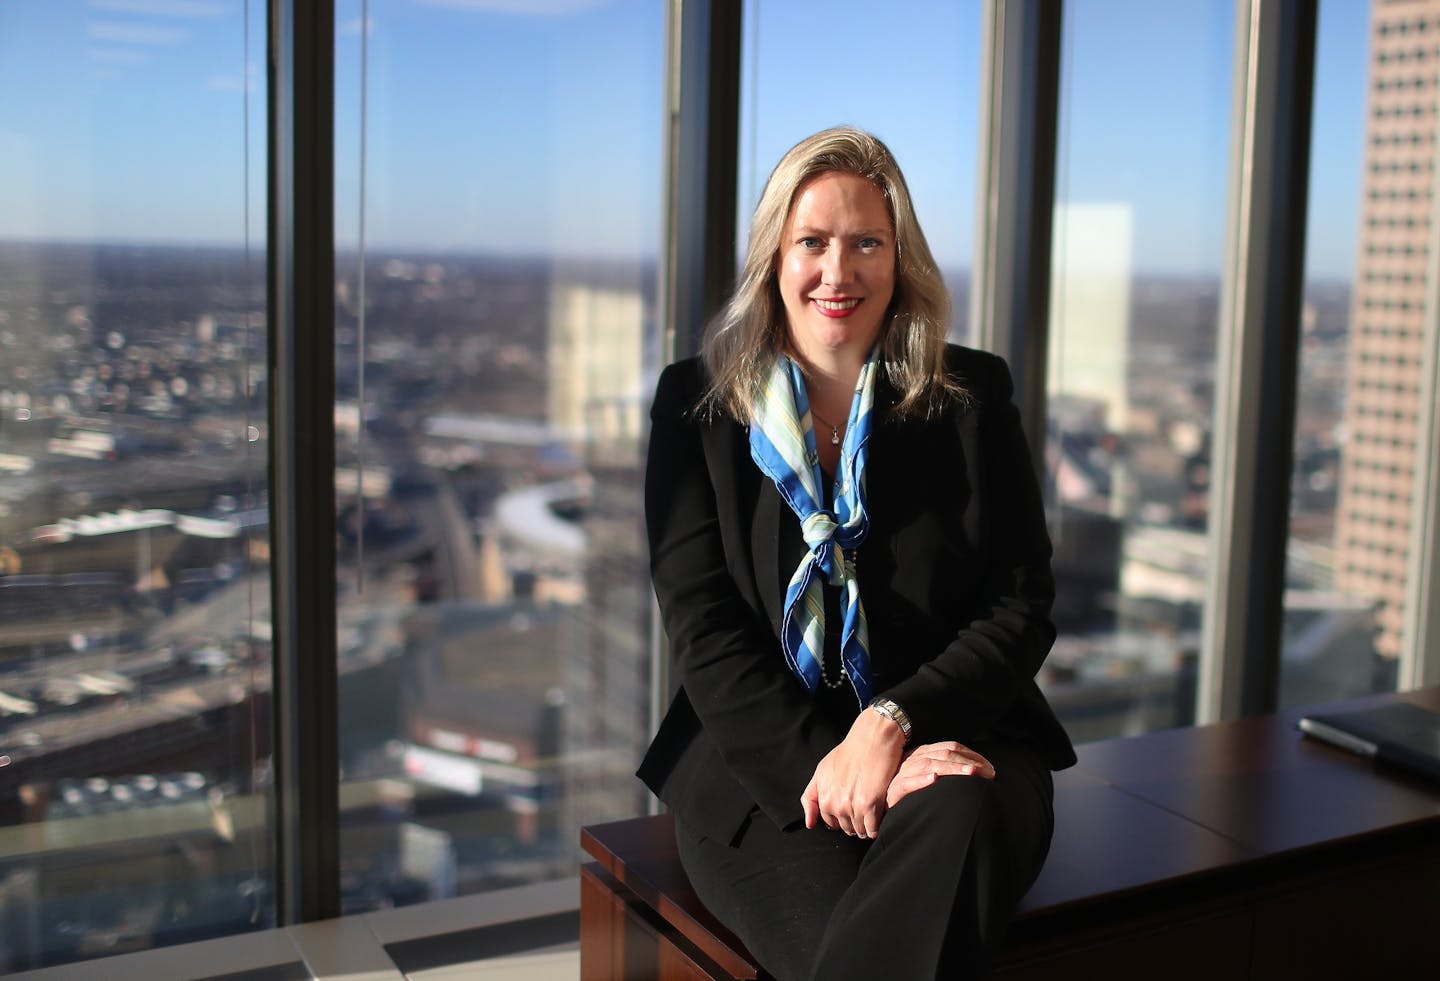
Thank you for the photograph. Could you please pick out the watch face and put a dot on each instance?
(894, 713)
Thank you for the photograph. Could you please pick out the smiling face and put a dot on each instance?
(836, 268)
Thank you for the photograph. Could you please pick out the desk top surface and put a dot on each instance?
(1144, 810)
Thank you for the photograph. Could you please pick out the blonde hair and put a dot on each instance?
(743, 339)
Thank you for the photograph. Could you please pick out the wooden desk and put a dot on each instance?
(1239, 850)
(639, 917)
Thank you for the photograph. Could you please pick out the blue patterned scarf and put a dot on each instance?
(782, 444)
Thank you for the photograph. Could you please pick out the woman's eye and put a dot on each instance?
(810, 242)
(869, 243)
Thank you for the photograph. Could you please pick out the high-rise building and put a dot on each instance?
(598, 391)
(1090, 307)
(595, 344)
(1388, 310)
(1386, 324)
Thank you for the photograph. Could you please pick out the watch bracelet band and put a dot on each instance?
(894, 713)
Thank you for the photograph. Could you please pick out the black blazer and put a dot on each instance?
(955, 577)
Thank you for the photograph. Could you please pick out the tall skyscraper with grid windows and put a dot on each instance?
(1387, 317)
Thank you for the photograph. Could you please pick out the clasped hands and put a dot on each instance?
(870, 772)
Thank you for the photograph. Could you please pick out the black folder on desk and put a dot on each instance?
(1400, 733)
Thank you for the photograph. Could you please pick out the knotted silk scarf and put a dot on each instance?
(782, 444)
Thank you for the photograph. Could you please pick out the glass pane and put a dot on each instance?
(134, 587)
(1374, 147)
(1138, 249)
(926, 109)
(496, 349)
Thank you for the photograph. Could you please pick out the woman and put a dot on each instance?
(849, 549)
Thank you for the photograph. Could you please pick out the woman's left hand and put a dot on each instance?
(848, 789)
(928, 763)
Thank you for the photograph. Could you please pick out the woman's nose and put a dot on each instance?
(836, 269)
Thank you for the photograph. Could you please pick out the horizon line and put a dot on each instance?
(480, 252)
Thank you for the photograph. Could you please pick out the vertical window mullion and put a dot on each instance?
(702, 148)
(1259, 341)
(301, 379)
(1420, 656)
(1019, 105)
(702, 137)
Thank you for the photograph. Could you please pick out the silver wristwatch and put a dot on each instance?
(894, 713)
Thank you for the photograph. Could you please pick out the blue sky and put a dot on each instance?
(125, 120)
(534, 126)
(914, 83)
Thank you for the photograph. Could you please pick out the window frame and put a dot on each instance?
(305, 798)
(1261, 300)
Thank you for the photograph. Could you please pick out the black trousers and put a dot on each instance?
(928, 898)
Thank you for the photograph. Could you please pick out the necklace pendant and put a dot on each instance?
(834, 436)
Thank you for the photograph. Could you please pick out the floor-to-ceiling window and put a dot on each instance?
(1367, 277)
(134, 586)
(498, 217)
(1141, 166)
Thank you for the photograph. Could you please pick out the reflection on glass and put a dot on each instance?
(1360, 361)
(134, 623)
(921, 97)
(1138, 239)
(496, 349)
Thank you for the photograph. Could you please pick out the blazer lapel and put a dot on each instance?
(749, 503)
(771, 576)
(882, 468)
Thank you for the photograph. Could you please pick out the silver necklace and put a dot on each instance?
(852, 557)
(834, 429)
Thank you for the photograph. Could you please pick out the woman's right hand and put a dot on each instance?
(847, 791)
(927, 763)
